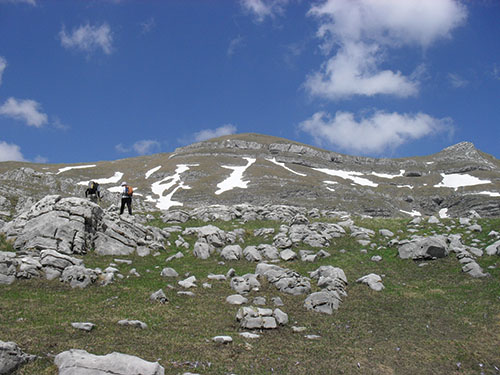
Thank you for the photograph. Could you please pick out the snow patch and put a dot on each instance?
(456, 180)
(160, 187)
(412, 213)
(235, 179)
(347, 175)
(405, 186)
(274, 161)
(490, 193)
(390, 176)
(111, 180)
(61, 170)
(151, 171)
(443, 213)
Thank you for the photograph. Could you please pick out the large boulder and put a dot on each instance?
(12, 357)
(425, 248)
(80, 362)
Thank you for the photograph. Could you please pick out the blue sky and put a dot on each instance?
(84, 81)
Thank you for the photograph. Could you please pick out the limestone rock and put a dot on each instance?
(325, 301)
(80, 362)
(12, 357)
(373, 280)
(84, 326)
(78, 276)
(425, 248)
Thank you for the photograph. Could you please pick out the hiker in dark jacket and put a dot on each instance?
(126, 194)
(93, 192)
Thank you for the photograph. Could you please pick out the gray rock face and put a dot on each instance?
(74, 226)
(12, 357)
(80, 362)
(425, 248)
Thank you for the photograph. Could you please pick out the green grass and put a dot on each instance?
(425, 321)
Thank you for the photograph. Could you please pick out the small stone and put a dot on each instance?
(298, 329)
(312, 337)
(249, 335)
(277, 301)
(83, 326)
(260, 301)
(236, 299)
(133, 323)
(376, 258)
(222, 339)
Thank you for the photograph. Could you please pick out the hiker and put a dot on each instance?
(93, 192)
(127, 192)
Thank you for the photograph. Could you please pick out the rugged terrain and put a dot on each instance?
(260, 170)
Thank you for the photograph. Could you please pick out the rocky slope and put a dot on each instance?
(261, 170)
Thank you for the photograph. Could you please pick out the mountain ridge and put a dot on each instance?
(258, 169)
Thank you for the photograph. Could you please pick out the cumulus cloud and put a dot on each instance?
(456, 81)
(24, 110)
(142, 147)
(88, 38)
(234, 44)
(147, 146)
(30, 2)
(205, 134)
(3, 65)
(362, 32)
(374, 134)
(148, 25)
(10, 152)
(261, 9)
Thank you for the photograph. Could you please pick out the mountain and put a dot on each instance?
(259, 170)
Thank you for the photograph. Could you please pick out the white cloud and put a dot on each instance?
(234, 44)
(146, 146)
(456, 81)
(41, 159)
(142, 147)
(30, 2)
(363, 31)
(353, 71)
(373, 134)
(3, 65)
(148, 25)
(205, 134)
(25, 110)
(88, 38)
(10, 152)
(264, 8)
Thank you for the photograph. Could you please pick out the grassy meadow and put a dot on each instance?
(429, 319)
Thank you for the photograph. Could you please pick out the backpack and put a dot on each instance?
(128, 191)
(93, 187)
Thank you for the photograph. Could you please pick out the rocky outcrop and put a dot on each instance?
(76, 226)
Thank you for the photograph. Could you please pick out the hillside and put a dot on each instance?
(258, 170)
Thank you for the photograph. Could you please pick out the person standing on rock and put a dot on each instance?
(126, 193)
(93, 192)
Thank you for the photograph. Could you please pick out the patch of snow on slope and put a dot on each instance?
(443, 213)
(151, 171)
(385, 175)
(235, 179)
(61, 170)
(274, 161)
(412, 213)
(348, 176)
(111, 180)
(490, 193)
(160, 187)
(456, 180)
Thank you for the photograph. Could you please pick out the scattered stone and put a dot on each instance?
(133, 323)
(256, 318)
(188, 283)
(373, 280)
(82, 326)
(312, 337)
(236, 299)
(259, 301)
(298, 329)
(222, 339)
(324, 302)
(424, 248)
(277, 301)
(232, 252)
(185, 293)
(169, 272)
(80, 362)
(249, 335)
(281, 317)
(433, 220)
(386, 233)
(288, 255)
(216, 277)
(177, 255)
(78, 276)
(376, 258)
(159, 296)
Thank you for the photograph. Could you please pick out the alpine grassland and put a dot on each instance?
(431, 318)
